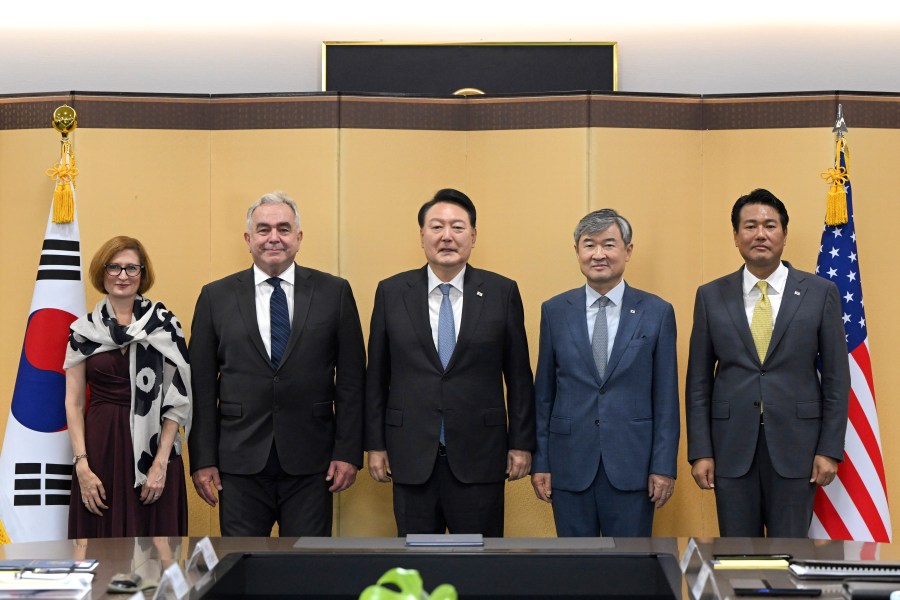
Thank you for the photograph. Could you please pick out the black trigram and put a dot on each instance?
(60, 259)
(56, 488)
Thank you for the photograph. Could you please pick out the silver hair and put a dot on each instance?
(601, 220)
(276, 197)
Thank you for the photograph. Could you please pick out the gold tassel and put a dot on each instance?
(63, 203)
(836, 199)
(64, 172)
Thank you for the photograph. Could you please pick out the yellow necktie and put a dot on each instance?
(761, 325)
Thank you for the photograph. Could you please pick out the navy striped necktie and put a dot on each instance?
(280, 321)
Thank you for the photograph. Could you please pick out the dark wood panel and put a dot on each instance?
(475, 113)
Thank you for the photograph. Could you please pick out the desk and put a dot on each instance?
(149, 556)
(724, 581)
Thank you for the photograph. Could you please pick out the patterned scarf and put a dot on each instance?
(158, 365)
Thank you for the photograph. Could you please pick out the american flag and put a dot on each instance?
(854, 506)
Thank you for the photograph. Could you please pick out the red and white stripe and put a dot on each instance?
(855, 506)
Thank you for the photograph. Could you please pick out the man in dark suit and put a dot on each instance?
(278, 366)
(443, 340)
(606, 392)
(763, 429)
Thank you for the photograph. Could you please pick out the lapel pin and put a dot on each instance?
(796, 292)
(479, 293)
(631, 311)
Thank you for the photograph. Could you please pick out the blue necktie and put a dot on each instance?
(446, 327)
(446, 334)
(280, 320)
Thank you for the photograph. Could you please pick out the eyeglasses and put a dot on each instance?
(130, 269)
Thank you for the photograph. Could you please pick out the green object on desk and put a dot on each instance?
(409, 582)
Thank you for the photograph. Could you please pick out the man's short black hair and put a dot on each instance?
(453, 197)
(759, 196)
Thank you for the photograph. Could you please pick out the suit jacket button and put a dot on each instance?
(762, 373)
(276, 379)
(597, 422)
(756, 404)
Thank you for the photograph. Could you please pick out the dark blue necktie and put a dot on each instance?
(280, 320)
(446, 334)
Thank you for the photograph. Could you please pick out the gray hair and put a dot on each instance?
(276, 197)
(601, 220)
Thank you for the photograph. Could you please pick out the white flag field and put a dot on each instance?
(36, 456)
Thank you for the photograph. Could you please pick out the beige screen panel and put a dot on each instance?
(185, 192)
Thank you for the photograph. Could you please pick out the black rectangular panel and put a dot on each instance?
(441, 69)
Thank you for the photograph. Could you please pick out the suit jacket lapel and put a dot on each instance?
(473, 303)
(576, 318)
(303, 293)
(792, 296)
(733, 299)
(416, 301)
(629, 317)
(246, 301)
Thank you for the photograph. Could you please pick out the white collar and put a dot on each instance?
(615, 295)
(260, 277)
(777, 280)
(457, 281)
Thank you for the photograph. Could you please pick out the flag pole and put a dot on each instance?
(837, 176)
(855, 505)
(65, 120)
(36, 455)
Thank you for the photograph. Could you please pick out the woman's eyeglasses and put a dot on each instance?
(130, 269)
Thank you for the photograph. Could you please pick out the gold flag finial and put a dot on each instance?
(65, 120)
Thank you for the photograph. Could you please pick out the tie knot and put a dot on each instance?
(445, 288)
(275, 282)
(763, 286)
(603, 301)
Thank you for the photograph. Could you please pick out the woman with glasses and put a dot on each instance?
(127, 394)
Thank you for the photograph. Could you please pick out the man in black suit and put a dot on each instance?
(764, 428)
(443, 340)
(278, 366)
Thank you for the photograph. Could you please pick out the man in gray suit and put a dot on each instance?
(606, 392)
(278, 365)
(763, 428)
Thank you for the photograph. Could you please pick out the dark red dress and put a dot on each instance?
(107, 434)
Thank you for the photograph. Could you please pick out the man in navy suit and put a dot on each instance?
(606, 392)
(444, 340)
(766, 407)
